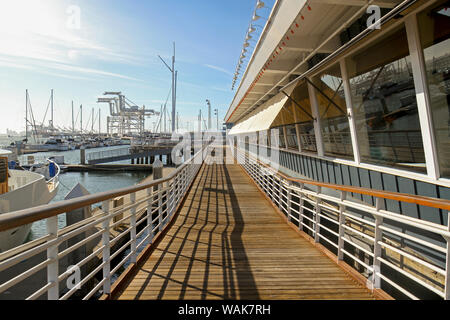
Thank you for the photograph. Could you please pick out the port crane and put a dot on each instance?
(125, 116)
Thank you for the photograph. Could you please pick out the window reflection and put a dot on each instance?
(385, 105)
(434, 26)
(291, 137)
(333, 113)
(299, 117)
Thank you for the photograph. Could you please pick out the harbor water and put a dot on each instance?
(93, 181)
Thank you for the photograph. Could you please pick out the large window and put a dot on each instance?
(291, 137)
(301, 108)
(333, 113)
(385, 105)
(434, 26)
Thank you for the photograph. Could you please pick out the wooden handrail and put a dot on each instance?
(403, 197)
(26, 216)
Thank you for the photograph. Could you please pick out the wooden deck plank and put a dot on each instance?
(227, 242)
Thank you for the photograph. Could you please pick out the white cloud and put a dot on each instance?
(218, 69)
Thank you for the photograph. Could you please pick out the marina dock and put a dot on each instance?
(228, 242)
(328, 178)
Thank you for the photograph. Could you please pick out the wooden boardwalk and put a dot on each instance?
(228, 242)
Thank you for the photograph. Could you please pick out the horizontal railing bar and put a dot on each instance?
(366, 236)
(403, 197)
(358, 219)
(365, 265)
(81, 263)
(412, 277)
(409, 256)
(328, 240)
(8, 284)
(329, 230)
(412, 238)
(121, 263)
(83, 281)
(353, 244)
(79, 244)
(41, 291)
(24, 247)
(95, 289)
(321, 215)
(21, 217)
(147, 237)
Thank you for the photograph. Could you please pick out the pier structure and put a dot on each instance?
(137, 155)
(237, 229)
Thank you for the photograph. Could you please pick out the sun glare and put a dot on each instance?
(31, 28)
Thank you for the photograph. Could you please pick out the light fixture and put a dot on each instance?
(251, 29)
(259, 4)
(255, 17)
(248, 37)
(246, 44)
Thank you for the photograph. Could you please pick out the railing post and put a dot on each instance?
(52, 255)
(160, 205)
(289, 201)
(300, 208)
(106, 248)
(149, 214)
(133, 228)
(447, 263)
(272, 187)
(317, 220)
(379, 203)
(172, 197)
(280, 194)
(341, 241)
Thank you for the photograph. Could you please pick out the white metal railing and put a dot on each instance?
(115, 231)
(108, 153)
(394, 252)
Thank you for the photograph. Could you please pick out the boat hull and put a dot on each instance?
(33, 193)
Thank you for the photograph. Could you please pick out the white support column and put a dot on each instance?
(289, 201)
(297, 128)
(301, 209)
(106, 249)
(350, 113)
(423, 97)
(160, 205)
(286, 146)
(149, 214)
(315, 114)
(341, 241)
(377, 249)
(133, 228)
(317, 220)
(447, 263)
(52, 255)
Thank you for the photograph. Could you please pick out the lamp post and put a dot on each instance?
(209, 114)
(216, 113)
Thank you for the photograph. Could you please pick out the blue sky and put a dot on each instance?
(115, 49)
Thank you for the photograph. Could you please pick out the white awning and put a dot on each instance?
(263, 117)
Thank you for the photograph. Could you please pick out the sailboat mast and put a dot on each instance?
(52, 111)
(73, 122)
(26, 114)
(81, 119)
